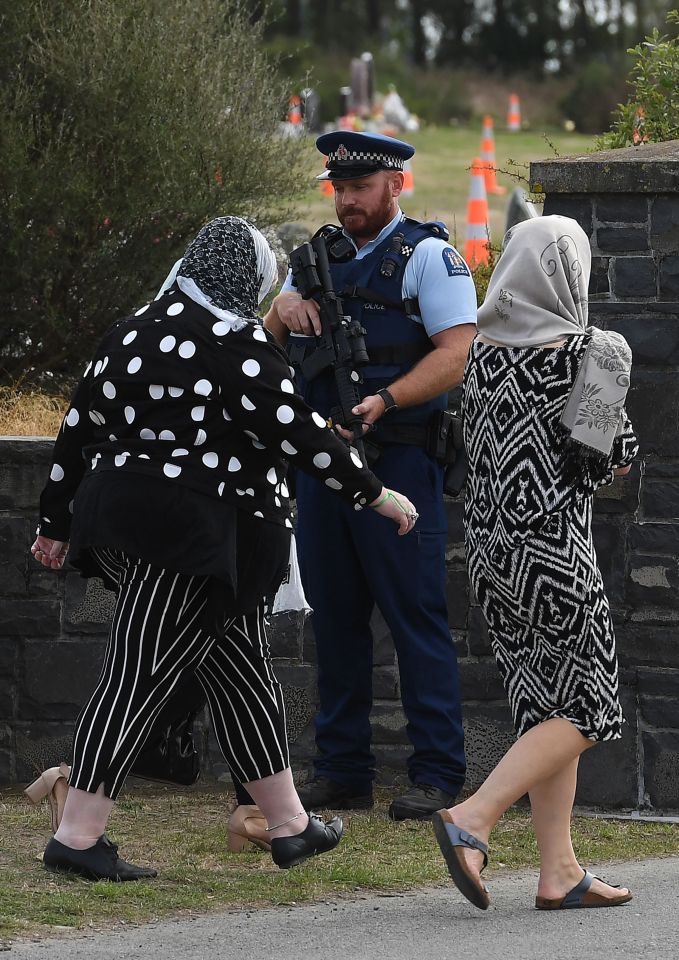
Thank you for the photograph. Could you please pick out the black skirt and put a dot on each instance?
(179, 529)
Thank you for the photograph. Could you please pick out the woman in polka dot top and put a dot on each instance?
(169, 480)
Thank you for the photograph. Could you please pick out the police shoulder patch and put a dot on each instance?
(454, 263)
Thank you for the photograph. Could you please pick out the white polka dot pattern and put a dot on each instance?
(186, 349)
(203, 388)
(186, 387)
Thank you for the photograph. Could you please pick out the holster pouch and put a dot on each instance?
(444, 436)
(445, 443)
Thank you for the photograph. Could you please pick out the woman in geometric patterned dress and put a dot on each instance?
(545, 425)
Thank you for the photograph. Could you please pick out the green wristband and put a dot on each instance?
(380, 502)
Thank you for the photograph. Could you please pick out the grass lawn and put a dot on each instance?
(441, 169)
(184, 835)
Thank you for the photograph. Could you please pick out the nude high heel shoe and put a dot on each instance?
(247, 825)
(51, 785)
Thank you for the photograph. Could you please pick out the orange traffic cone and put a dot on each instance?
(294, 110)
(476, 248)
(514, 113)
(327, 189)
(408, 180)
(638, 135)
(488, 157)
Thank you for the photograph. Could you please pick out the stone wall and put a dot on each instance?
(627, 201)
(53, 627)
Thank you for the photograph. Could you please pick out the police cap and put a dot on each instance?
(352, 155)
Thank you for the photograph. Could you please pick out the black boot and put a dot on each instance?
(322, 793)
(100, 862)
(317, 838)
(420, 802)
(169, 755)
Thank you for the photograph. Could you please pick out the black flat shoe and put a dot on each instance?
(318, 837)
(100, 862)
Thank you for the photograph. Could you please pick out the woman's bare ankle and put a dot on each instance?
(470, 819)
(292, 828)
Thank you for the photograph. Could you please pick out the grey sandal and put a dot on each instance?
(450, 838)
(581, 896)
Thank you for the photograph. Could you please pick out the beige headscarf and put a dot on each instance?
(538, 294)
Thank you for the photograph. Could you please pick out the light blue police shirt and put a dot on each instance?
(436, 274)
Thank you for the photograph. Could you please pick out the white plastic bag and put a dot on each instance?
(290, 594)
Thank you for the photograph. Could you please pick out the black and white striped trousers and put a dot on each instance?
(158, 639)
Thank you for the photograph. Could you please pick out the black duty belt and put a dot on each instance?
(412, 434)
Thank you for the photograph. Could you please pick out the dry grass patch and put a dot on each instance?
(184, 835)
(30, 412)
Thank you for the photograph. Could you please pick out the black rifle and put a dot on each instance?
(340, 345)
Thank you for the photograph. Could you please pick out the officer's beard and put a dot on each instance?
(365, 226)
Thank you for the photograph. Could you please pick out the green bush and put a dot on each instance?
(652, 110)
(594, 93)
(126, 125)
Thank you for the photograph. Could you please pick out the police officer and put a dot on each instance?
(413, 294)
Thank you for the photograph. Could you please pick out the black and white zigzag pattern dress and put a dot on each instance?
(530, 554)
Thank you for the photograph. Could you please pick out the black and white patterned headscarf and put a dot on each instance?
(228, 268)
(538, 294)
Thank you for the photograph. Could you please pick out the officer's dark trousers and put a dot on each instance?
(351, 561)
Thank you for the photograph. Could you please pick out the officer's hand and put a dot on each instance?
(369, 410)
(297, 314)
(50, 553)
(398, 508)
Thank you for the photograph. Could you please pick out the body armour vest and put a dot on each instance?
(370, 291)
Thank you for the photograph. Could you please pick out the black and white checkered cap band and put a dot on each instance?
(342, 155)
